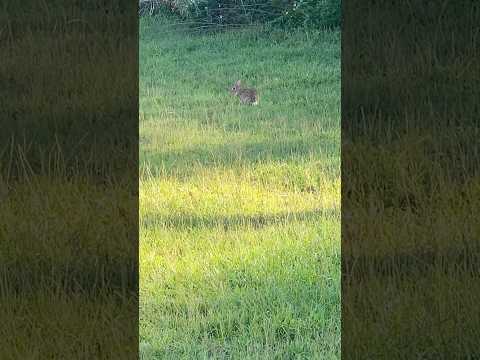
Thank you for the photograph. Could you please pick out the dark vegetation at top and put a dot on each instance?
(217, 14)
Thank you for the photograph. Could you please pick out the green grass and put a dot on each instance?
(239, 206)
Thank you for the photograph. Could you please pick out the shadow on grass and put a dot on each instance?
(188, 221)
(404, 266)
(90, 277)
(252, 152)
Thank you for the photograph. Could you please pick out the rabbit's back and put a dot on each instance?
(248, 96)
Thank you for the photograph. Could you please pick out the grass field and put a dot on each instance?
(239, 206)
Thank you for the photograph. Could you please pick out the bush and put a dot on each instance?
(287, 13)
(313, 13)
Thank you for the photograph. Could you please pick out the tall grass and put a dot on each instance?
(239, 206)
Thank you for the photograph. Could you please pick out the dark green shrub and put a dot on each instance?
(312, 13)
(286, 13)
(235, 12)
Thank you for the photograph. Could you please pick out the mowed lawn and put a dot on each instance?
(239, 205)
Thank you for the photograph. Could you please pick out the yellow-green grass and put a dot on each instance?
(239, 206)
(66, 269)
(410, 243)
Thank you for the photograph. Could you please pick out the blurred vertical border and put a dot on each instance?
(69, 179)
(410, 179)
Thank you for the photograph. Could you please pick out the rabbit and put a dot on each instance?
(246, 96)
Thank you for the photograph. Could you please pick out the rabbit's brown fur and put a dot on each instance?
(246, 96)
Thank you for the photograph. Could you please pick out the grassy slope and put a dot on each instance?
(239, 206)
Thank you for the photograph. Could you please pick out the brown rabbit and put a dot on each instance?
(246, 96)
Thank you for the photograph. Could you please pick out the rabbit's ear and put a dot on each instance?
(238, 83)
